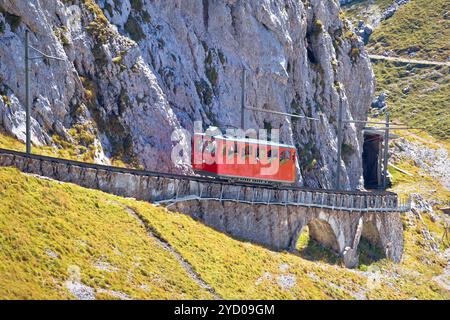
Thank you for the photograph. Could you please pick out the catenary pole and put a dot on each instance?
(243, 84)
(339, 146)
(386, 151)
(27, 93)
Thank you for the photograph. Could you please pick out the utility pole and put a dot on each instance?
(339, 154)
(27, 93)
(27, 85)
(243, 84)
(386, 151)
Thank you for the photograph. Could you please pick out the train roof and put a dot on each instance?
(248, 140)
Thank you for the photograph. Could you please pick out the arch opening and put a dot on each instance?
(370, 248)
(317, 242)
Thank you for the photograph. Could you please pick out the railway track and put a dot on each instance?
(181, 188)
(216, 180)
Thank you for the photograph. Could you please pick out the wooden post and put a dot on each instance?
(379, 166)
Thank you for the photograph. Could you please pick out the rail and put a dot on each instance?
(188, 188)
(368, 202)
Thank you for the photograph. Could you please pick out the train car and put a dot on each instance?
(244, 159)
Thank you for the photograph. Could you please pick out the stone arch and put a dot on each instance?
(322, 232)
(316, 240)
(371, 247)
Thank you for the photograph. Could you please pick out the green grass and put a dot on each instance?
(228, 264)
(67, 150)
(310, 249)
(366, 10)
(426, 105)
(421, 26)
(81, 150)
(85, 226)
(419, 182)
(82, 228)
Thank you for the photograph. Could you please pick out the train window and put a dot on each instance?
(262, 151)
(285, 155)
(231, 151)
(210, 147)
(248, 150)
(272, 155)
(199, 145)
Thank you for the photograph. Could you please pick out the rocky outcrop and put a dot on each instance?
(364, 31)
(134, 71)
(376, 15)
(389, 12)
(431, 159)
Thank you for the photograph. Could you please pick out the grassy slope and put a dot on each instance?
(366, 10)
(84, 227)
(75, 151)
(419, 182)
(426, 105)
(421, 25)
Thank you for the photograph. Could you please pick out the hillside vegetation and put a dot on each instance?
(368, 11)
(62, 149)
(419, 29)
(64, 241)
(61, 241)
(417, 96)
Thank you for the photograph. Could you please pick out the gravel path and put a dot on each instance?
(411, 61)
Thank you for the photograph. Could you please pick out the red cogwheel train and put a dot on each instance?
(244, 159)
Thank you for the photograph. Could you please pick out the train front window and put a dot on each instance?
(211, 147)
(285, 155)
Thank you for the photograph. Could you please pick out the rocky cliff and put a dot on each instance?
(136, 70)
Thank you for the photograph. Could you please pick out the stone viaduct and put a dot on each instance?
(267, 216)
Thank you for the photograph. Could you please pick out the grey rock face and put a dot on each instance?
(374, 16)
(389, 12)
(432, 161)
(155, 66)
(364, 31)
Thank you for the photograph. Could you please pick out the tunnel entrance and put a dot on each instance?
(373, 158)
(317, 242)
(372, 161)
